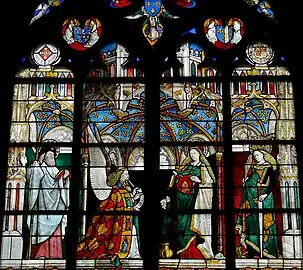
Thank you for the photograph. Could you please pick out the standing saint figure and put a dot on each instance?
(48, 191)
(113, 236)
(190, 188)
(258, 231)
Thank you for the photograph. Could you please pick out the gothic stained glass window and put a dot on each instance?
(39, 166)
(267, 227)
(191, 166)
(113, 163)
(80, 179)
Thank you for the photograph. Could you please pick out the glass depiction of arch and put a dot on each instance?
(267, 220)
(112, 190)
(192, 187)
(38, 176)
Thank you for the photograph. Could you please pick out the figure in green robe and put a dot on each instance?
(191, 188)
(258, 229)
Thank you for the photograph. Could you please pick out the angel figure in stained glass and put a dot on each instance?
(152, 27)
(190, 96)
(68, 35)
(18, 171)
(212, 32)
(187, 100)
(115, 94)
(258, 231)
(44, 8)
(94, 36)
(262, 7)
(112, 236)
(236, 32)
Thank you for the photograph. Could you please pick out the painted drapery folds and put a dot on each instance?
(111, 178)
(267, 226)
(112, 181)
(39, 166)
(193, 185)
(110, 229)
(266, 229)
(258, 232)
(192, 176)
(38, 182)
(112, 189)
(266, 198)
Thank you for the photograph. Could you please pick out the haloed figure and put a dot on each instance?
(258, 231)
(116, 236)
(48, 191)
(192, 184)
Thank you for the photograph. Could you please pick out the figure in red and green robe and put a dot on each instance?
(191, 187)
(114, 237)
(258, 230)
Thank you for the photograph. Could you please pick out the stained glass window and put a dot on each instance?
(112, 186)
(122, 155)
(191, 165)
(39, 164)
(265, 178)
(265, 172)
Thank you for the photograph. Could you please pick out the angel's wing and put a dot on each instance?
(97, 169)
(41, 10)
(138, 14)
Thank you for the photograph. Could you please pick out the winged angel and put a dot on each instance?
(111, 236)
(153, 9)
(44, 8)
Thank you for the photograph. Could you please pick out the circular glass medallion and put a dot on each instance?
(259, 54)
(45, 55)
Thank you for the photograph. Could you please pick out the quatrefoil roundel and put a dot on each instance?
(224, 36)
(81, 38)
